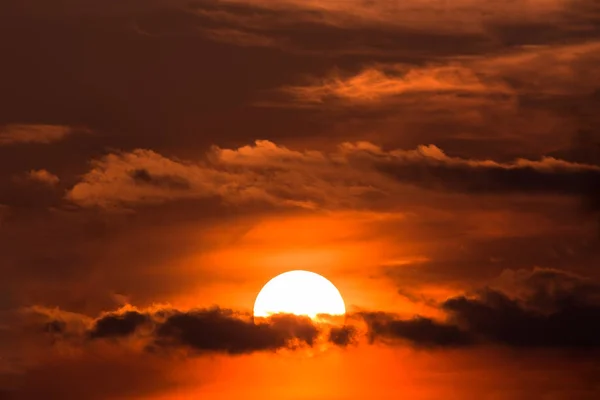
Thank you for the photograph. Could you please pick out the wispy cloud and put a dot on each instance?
(558, 71)
(43, 176)
(378, 83)
(420, 26)
(33, 133)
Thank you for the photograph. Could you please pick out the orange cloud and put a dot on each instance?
(384, 81)
(557, 71)
(370, 25)
(351, 177)
(463, 15)
(33, 133)
(43, 176)
(264, 172)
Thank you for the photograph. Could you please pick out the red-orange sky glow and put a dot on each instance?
(437, 161)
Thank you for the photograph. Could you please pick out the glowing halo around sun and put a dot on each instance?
(301, 293)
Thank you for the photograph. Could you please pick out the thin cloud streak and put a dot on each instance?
(559, 71)
(33, 133)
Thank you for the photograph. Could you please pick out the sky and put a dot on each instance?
(438, 161)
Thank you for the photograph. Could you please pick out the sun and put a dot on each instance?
(301, 293)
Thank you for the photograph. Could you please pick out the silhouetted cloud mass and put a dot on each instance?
(220, 331)
(343, 335)
(543, 308)
(418, 331)
(118, 325)
(210, 330)
(555, 309)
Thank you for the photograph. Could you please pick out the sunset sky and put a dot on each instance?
(438, 161)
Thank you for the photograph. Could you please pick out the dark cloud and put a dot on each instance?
(42, 346)
(481, 256)
(210, 330)
(374, 28)
(55, 327)
(501, 320)
(550, 289)
(555, 309)
(419, 331)
(220, 331)
(343, 335)
(543, 308)
(436, 170)
(118, 325)
(143, 177)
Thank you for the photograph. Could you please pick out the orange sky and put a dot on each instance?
(161, 160)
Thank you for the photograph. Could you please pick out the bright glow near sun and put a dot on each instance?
(299, 293)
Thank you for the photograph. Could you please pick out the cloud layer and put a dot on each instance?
(33, 133)
(526, 310)
(349, 177)
(542, 308)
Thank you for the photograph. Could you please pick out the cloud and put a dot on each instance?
(522, 309)
(264, 173)
(555, 309)
(214, 330)
(430, 167)
(380, 82)
(43, 176)
(501, 320)
(33, 133)
(118, 325)
(547, 288)
(539, 308)
(343, 335)
(208, 330)
(484, 100)
(418, 331)
(221, 331)
(412, 13)
(353, 176)
(356, 27)
(463, 15)
(558, 71)
(138, 176)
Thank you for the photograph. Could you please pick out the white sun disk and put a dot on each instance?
(300, 293)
